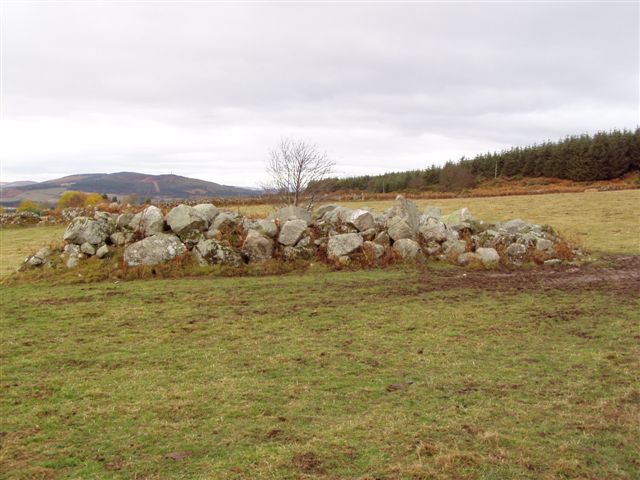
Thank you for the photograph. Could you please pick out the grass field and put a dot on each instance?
(395, 373)
(338, 375)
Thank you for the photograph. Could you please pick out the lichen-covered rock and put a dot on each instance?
(516, 251)
(433, 230)
(267, 228)
(257, 247)
(407, 249)
(86, 230)
(121, 238)
(398, 229)
(207, 211)
(124, 220)
(544, 245)
(149, 221)
(291, 212)
(292, 231)
(71, 255)
(383, 239)
(88, 249)
(454, 247)
(186, 222)
(291, 254)
(458, 219)
(224, 221)
(431, 212)
(38, 259)
(488, 256)
(153, 250)
(212, 252)
(361, 219)
(343, 244)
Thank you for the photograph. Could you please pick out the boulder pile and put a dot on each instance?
(331, 233)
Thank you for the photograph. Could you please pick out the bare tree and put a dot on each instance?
(293, 166)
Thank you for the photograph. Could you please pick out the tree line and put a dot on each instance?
(602, 156)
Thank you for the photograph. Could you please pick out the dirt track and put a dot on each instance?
(618, 274)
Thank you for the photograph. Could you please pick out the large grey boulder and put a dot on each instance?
(291, 212)
(257, 247)
(454, 247)
(86, 230)
(433, 230)
(124, 220)
(320, 212)
(207, 211)
(343, 244)
(488, 256)
(268, 228)
(458, 219)
(292, 231)
(186, 222)
(361, 219)
(153, 250)
(149, 222)
(212, 252)
(398, 228)
(407, 249)
(224, 221)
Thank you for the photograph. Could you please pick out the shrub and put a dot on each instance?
(72, 199)
(93, 199)
(29, 206)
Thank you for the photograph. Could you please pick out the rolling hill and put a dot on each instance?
(156, 187)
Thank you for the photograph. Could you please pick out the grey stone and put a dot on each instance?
(103, 252)
(186, 222)
(323, 210)
(124, 220)
(257, 247)
(383, 239)
(86, 230)
(121, 238)
(433, 230)
(88, 249)
(373, 249)
(369, 234)
(38, 259)
(432, 212)
(268, 228)
(407, 249)
(343, 244)
(454, 247)
(290, 254)
(457, 219)
(155, 249)
(223, 221)
(516, 250)
(291, 212)
(212, 252)
(466, 258)
(361, 220)
(207, 211)
(292, 231)
(544, 245)
(488, 256)
(149, 222)
(398, 228)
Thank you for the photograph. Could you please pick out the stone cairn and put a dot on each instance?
(331, 233)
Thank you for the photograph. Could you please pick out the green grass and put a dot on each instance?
(603, 221)
(18, 243)
(286, 377)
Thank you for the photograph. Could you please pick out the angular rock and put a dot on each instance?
(292, 231)
(516, 251)
(38, 259)
(361, 219)
(458, 219)
(432, 212)
(86, 230)
(103, 252)
(290, 254)
(149, 221)
(291, 212)
(88, 249)
(153, 250)
(268, 228)
(186, 222)
(383, 239)
(544, 245)
(207, 211)
(433, 230)
(223, 221)
(212, 252)
(343, 244)
(398, 229)
(257, 247)
(373, 249)
(323, 210)
(124, 220)
(369, 234)
(121, 238)
(407, 249)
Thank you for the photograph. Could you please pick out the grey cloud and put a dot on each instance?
(367, 81)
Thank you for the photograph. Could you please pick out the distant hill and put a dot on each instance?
(21, 183)
(156, 187)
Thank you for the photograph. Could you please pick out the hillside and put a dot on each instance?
(156, 187)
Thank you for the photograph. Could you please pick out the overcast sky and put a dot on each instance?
(207, 89)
